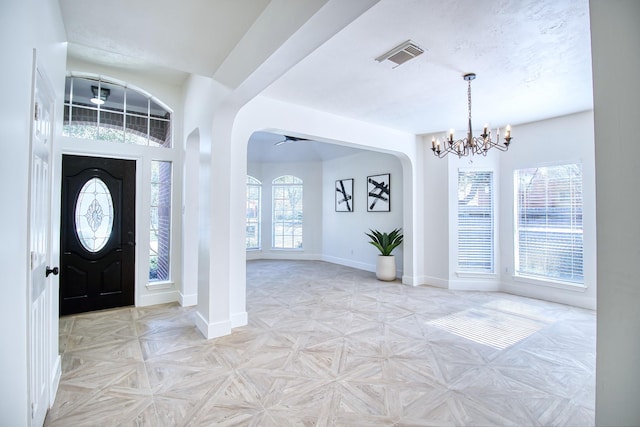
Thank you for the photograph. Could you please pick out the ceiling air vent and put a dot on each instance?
(401, 54)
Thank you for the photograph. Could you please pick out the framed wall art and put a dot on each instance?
(379, 193)
(344, 195)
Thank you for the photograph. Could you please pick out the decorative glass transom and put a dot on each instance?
(94, 215)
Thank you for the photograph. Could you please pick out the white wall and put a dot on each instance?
(311, 175)
(344, 241)
(615, 46)
(435, 190)
(567, 139)
(24, 25)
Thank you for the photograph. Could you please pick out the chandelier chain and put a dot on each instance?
(469, 97)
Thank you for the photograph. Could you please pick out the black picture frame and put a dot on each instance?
(344, 195)
(379, 193)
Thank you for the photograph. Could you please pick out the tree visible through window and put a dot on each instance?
(254, 194)
(549, 242)
(287, 212)
(475, 221)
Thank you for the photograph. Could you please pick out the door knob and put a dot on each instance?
(53, 270)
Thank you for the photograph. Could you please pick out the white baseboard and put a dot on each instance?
(552, 295)
(349, 263)
(283, 255)
(414, 280)
(433, 281)
(187, 300)
(157, 298)
(212, 330)
(315, 257)
(475, 285)
(56, 373)
(239, 319)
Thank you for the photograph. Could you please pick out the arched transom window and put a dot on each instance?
(100, 109)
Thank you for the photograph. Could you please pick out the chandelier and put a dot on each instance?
(471, 144)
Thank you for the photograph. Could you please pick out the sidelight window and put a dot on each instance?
(160, 221)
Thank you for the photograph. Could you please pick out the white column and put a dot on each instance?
(615, 43)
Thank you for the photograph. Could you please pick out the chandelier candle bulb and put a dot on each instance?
(486, 127)
(433, 143)
(508, 132)
(451, 136)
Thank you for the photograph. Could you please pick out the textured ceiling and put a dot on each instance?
(532, 57)
(192, 36)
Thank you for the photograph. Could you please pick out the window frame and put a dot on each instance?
(526, 275)
(126, 114)
(167, 232)
(253, 182)
(461, 270)
(297, 215)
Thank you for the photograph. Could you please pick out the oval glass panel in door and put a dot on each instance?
(94, 215)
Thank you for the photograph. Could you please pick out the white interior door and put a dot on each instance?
(40, 310)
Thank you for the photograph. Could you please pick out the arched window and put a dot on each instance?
(287, 212)
(254, 195)
(101, 109)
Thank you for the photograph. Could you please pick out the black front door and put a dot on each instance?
(97, 266)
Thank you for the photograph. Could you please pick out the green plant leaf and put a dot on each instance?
(385, 242)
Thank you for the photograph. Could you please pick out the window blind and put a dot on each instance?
(475, 221)
(549, 223)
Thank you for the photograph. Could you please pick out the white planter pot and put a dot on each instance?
(386, 268)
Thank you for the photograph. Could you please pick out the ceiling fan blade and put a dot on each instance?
(288, 138)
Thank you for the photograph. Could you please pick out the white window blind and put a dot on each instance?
(549, 223)
(475, 221)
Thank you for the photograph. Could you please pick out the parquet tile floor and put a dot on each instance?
(328, 345)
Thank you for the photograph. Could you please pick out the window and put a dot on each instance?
(287, 212)
(100, 109)
(549, 223)
(160, 222)
(254, 194)
(94, 215)
(475, 221)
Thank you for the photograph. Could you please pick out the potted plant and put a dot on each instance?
(386, 243)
